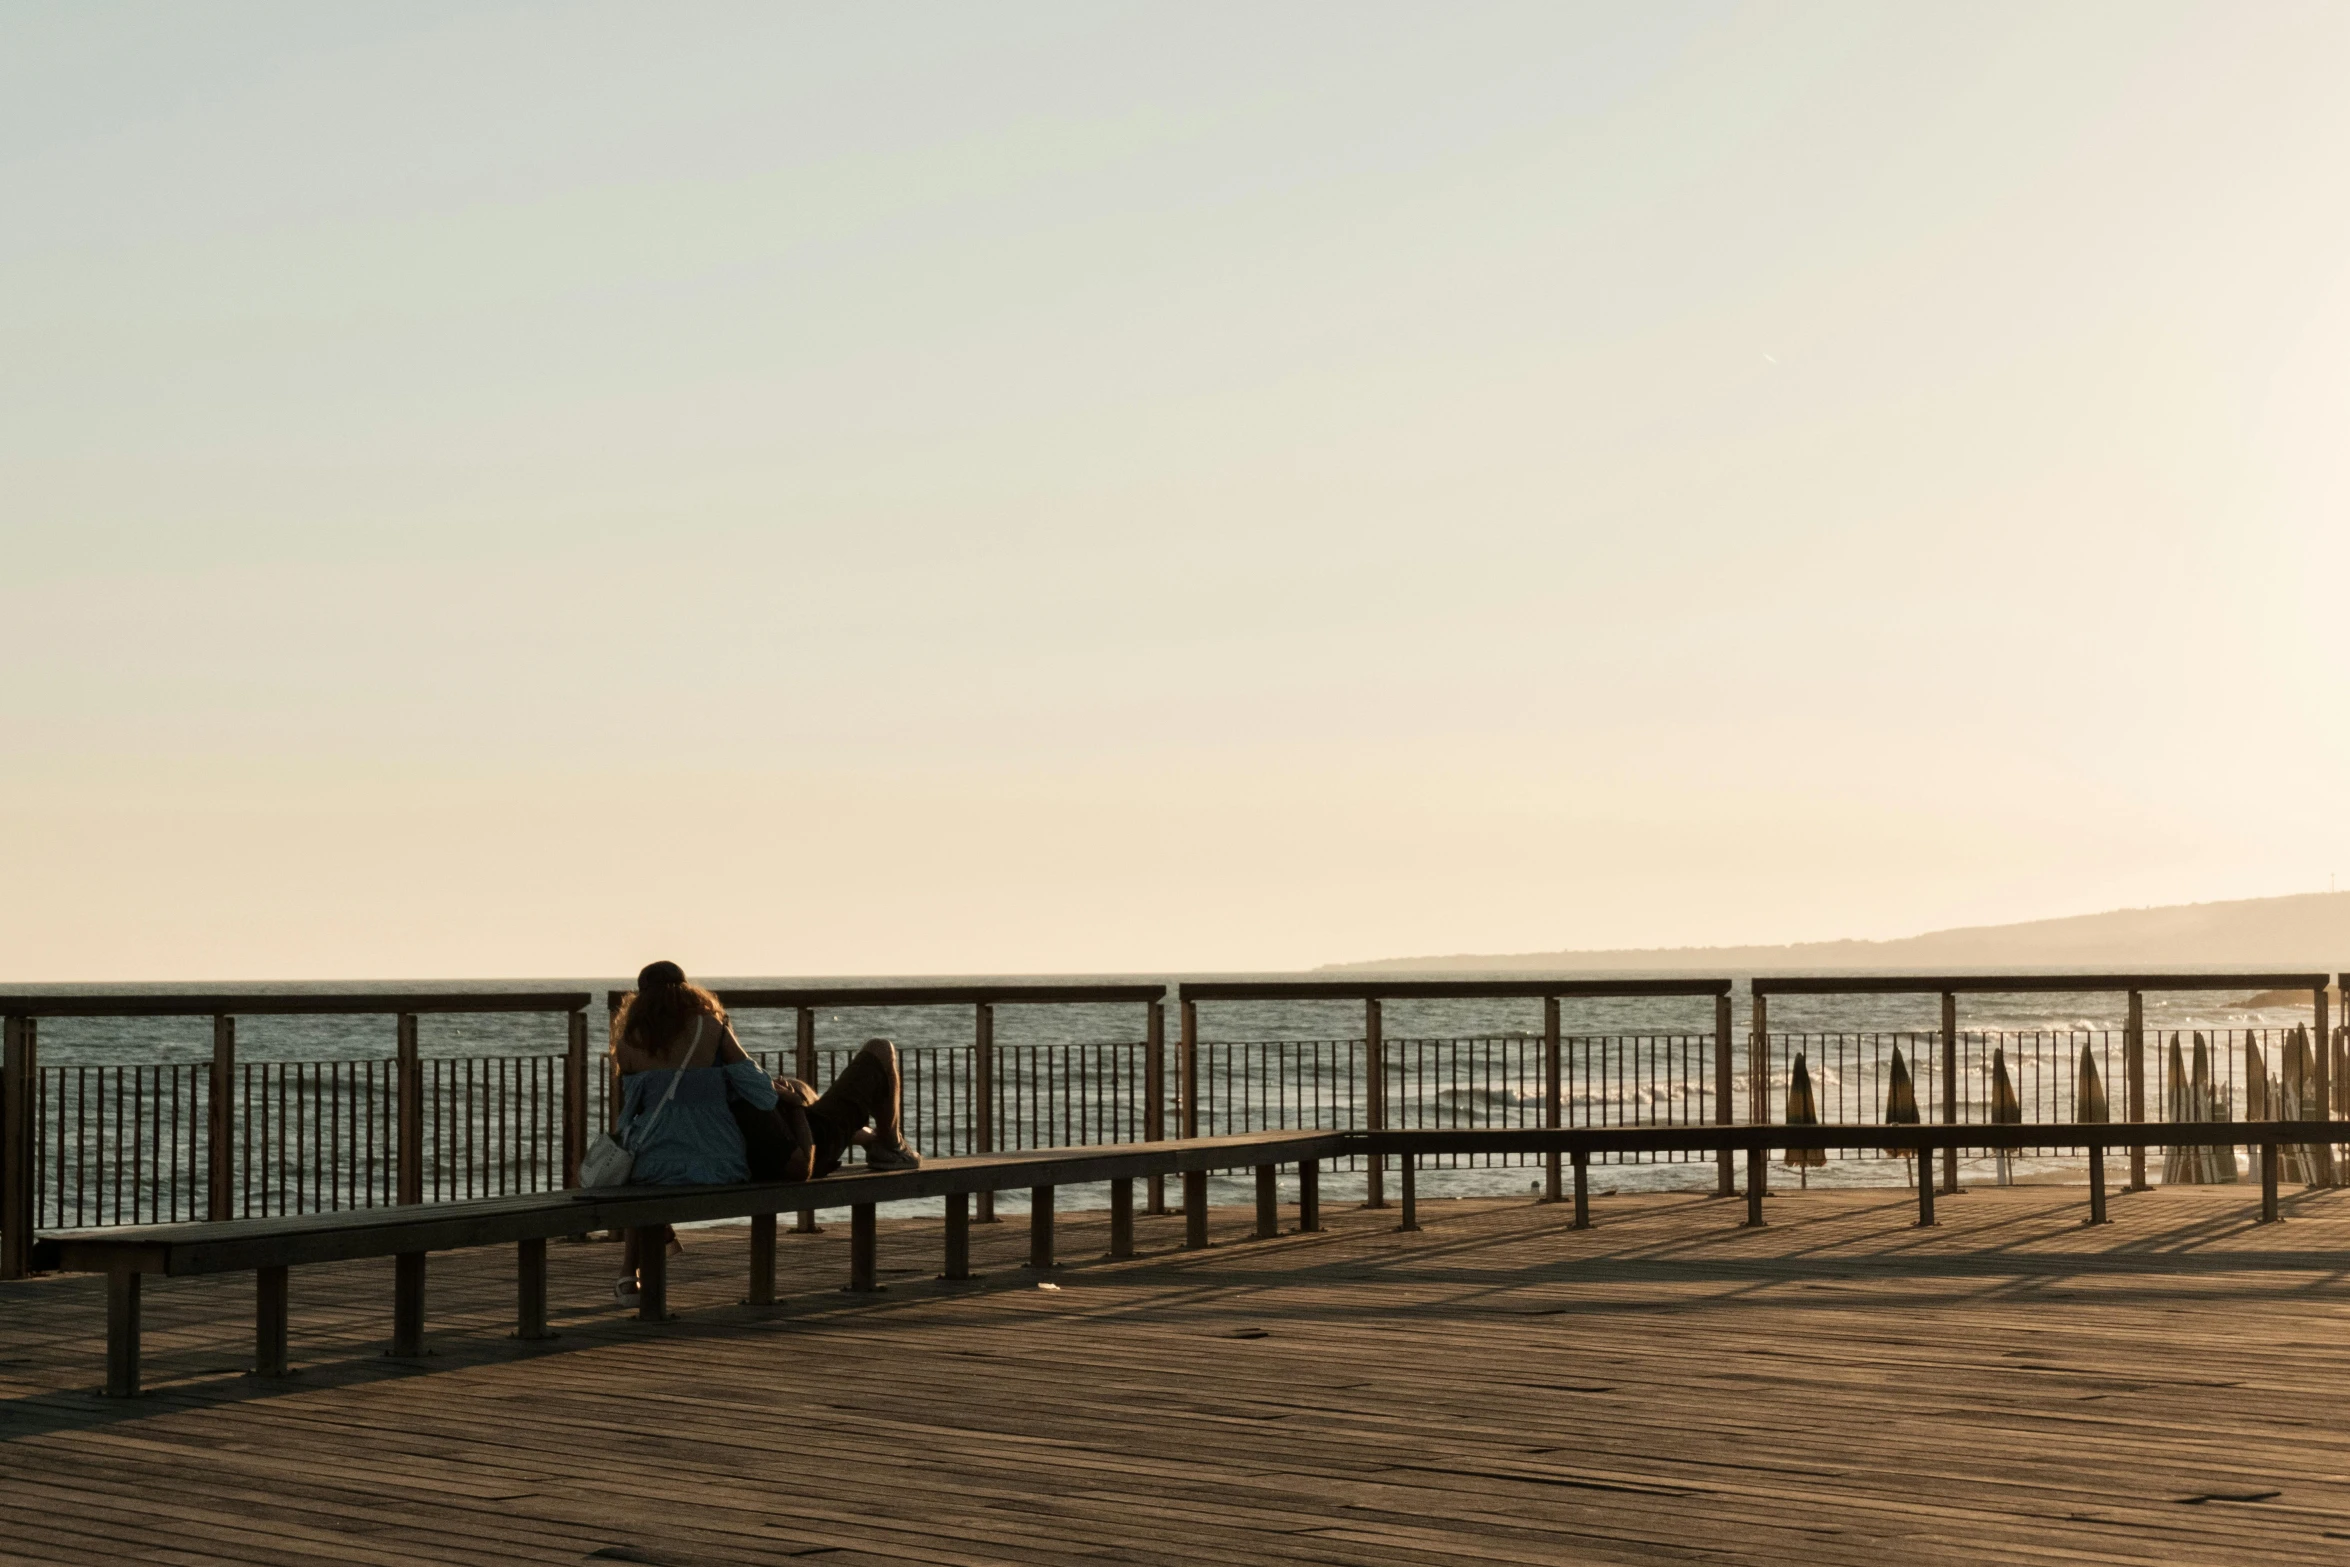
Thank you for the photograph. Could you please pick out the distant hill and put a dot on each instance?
(2308, 931)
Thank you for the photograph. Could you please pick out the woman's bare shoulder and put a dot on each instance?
(631, 1060)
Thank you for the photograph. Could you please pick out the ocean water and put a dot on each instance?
(110, 1040)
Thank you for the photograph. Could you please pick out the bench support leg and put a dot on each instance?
(986, 1206)
(122, 1334)
(1309, 1196)
(1551, 1185)
(1040, 1227)
(1407, 1166)
(1757, 1172)
(1925, 1172)
(2268, 1183)
(269, 1322)
(958, 1257)
(2096, 1184)
(805, 1223)
(1268, 1202)
(1195, 1209)
(1582, 1190)
(762, 1260)
(408, 1305)
(1122, 1218)
(864, 1243)
(652, 1274)
(530, 1291)
(1155, 1197)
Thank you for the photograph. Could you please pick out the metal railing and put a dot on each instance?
(1461, 1083)
(126, 1143)
(221, 1138)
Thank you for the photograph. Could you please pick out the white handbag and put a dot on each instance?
(609, 1161)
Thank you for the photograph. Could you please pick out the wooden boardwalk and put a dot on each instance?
(1836, 1388)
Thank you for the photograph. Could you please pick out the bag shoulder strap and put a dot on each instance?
(676, 1076)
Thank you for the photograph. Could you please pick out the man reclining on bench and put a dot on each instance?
(728, 1121)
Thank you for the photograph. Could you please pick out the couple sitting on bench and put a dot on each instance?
(696, 1110)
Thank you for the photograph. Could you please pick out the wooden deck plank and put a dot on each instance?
(1835, 1388)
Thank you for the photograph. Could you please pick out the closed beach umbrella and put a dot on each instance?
(2297, 1086)
(1803, 1109)
(2174, 1101)
(2258, 1101)
(2089, 1092)
(2006, 1108)
(2215, 1165)
(1901, 1102)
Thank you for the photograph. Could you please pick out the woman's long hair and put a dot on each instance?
(656, 1016)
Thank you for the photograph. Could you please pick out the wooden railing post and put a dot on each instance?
(1187, 1071)
(804, 1068)
(1187, 1117)
(1154, 1097)
(983, 1096)
(19, 1075)
(1758, 1102)
(1550, 1095)
(220, 1124)
(1374, 1101)
(1949, 1088)
(1723, 1109)
(575, 1111)
(2323, 1043)
(408, 1071)
(610, 1068)
(2134, 1069)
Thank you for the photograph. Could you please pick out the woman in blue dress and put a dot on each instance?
(682, 1070)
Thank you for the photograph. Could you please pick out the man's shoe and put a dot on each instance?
(902, 1157)
(626, 1293)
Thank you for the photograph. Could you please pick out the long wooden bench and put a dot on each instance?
(2096, 1138)
(269, 1247)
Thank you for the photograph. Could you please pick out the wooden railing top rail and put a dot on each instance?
(1439, 989)
(924, 995)
(1978, 984)
(385, 1003)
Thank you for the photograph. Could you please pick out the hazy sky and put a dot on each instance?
(502, 490)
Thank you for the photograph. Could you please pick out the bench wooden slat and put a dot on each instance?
(235, 1245)
(269, 1246)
